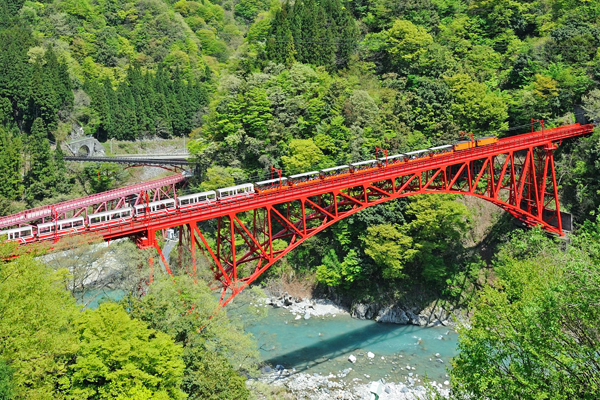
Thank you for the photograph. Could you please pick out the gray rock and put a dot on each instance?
(392, 315)
(364, 311)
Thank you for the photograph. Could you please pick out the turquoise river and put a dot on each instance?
(323, 345)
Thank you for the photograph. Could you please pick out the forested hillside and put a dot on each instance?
(297, 85)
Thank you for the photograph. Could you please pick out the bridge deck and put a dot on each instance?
(219, 209)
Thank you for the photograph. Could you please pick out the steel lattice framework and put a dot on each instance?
(242, 238)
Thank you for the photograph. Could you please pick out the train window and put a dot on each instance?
(45, 229)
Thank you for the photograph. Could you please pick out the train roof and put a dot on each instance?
(412, 153)
(463, 141)
(190, 196)
(446, 146)
(485, 137)
(335, 168)
(6, 232)
(236, 187)
(60, 221)
(152, 203)
(103, 213)
(282, 179)
(396, 156)
(303, 174)
(356, 164)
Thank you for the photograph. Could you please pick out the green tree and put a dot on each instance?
(303, 155)
(61, 179)
(280, 41)
(43, 99)
(212, 342)
(16, 78)
(426, 245)
(335, 273)
(120, 357)
(534, 332)
(476, 108)
(40, 346)
(217, 177)
(405, 43)
(389, 248)
(100, 177)
(579, 163)
(40, 177)
(591, 105)
(6, 373)
(10, 165)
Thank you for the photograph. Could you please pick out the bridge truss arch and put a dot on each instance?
(245, 243)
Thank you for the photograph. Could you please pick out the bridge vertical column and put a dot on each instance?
(193, 249)
(556, 202)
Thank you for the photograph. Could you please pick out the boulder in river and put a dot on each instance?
(392, 315)
(364, 311)
(352, 358)
(370, 355)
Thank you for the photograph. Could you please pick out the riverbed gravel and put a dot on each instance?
(329, 387)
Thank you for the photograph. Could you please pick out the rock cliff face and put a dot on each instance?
(396, 314)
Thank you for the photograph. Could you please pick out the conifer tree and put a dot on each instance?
(41, 174)
(61, 182)
(162, 120)
(15, 68)
(57, 76)
(296, 16)
(112, 101)
(125, 126)
(176, 102)
(325, 40)
(5, 111)
(348, 40)
(10, 165)
(280, 44)
(43, 99)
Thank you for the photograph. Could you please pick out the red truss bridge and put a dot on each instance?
(243, 230)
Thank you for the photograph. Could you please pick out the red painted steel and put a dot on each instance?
(97, 202)
(241, 238)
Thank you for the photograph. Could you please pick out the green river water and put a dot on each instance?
(323, 345)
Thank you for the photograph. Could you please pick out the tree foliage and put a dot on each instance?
(121, 358)
(40, 347)
(215, 350)
(534, 332)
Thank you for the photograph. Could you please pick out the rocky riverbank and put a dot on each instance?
(333, 386)
(429, 316)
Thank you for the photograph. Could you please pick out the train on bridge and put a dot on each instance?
(106, 219)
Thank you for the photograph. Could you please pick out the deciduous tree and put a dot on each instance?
(122, 358)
